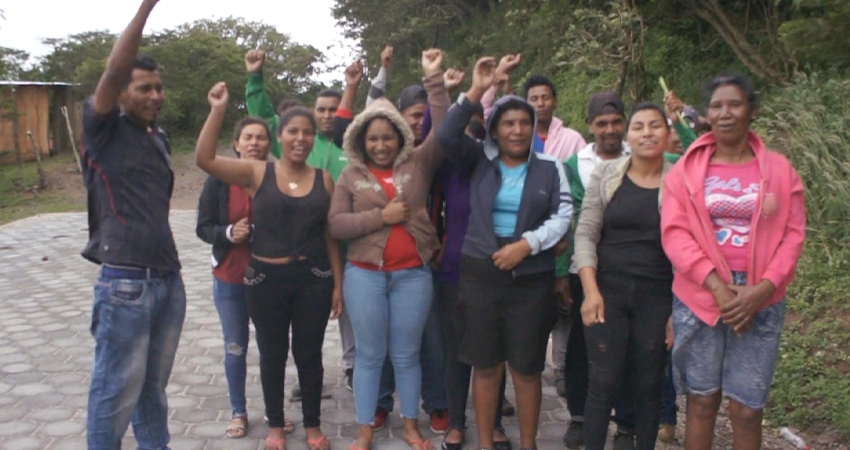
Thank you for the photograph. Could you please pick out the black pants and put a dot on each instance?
(458, 374)
(575, 370)
(636, 313)
(297, 294)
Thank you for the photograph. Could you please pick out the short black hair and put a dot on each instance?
(731, 78)
(293, 112)
(250, 120)
(538, 80)
(286, 104)
(330, 93)
(510, 105)
(142, 62)
(647, 106)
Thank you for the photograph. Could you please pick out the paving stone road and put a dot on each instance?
(46, 354)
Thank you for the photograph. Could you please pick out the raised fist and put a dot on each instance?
(218, 96)
(254, 60)
(508, 63)
(432, 61)
(484, 73)
(354, 73)
(387, 56)
(453, 78)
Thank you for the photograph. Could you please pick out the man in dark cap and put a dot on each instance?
(606, 118)
(413, 103)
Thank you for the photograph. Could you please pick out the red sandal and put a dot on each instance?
(279, 444)
(424, 445)
(316, 444)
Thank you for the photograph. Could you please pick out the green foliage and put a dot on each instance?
(819, 35)
(810, 123)
(193, 57)
(12, 63)
(71, 52)
(811, 387)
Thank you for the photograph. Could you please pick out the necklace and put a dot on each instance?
(293, 184)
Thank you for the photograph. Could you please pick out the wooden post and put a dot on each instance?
(14, 106)
(57, 126)
(42, 183)
(71, 138)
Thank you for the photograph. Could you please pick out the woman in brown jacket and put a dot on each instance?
(379, 207)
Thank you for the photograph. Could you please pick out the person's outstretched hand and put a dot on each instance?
(482, 78)
(354, 73)
(254, 61)
(432, 61)
(218, 96)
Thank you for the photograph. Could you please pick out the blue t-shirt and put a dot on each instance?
(508, 198)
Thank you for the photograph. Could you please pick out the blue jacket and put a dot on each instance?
(546, 205)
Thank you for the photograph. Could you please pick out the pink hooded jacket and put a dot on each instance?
(776, 235)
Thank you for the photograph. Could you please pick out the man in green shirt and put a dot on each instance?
(325, 154)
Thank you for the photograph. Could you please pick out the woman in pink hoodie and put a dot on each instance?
(733, 222)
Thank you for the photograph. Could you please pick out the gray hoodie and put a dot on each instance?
(546, 205)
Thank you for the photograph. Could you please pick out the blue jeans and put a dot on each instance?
(707, 359)
(136, 325)
(233, 313)
(432, 357)
(388, 311)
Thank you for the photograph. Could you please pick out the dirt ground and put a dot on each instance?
(189, 181)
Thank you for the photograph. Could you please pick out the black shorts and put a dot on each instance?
(505, 318)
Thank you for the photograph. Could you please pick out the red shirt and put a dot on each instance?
(232, 268)
(400, 251)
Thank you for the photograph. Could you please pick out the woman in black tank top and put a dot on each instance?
(295, 274)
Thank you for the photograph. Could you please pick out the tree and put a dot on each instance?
(751, 29)
(71, 52)
(820, 34)
(192, 57)
(12, 63)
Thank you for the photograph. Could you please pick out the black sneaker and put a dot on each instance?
(623, 441)
(349, 379)
(574, 438)
(295, 396)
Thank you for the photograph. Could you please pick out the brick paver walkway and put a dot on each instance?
(46, 354)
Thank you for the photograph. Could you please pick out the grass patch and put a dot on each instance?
(811, 388)
(19, 198)
(809, 122)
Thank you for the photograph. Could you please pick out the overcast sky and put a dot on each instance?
(306, 21)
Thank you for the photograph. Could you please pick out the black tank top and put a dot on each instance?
(290, 226)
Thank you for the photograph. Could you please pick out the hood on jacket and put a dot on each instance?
(491, 149)
(696, 159)
(356, 151)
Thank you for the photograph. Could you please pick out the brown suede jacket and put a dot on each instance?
(355, 213)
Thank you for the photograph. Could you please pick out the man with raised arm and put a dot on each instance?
(325, 155)
(139, 298)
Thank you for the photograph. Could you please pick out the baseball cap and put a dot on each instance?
(412, 95)
(605, 102)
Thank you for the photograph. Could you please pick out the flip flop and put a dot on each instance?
(279, 444)
(316, 444)
(237, 427)
(424, 445)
